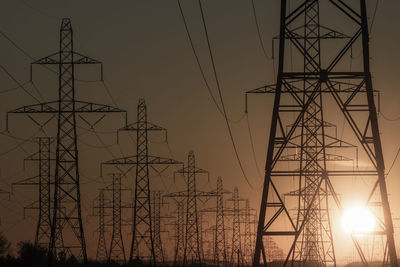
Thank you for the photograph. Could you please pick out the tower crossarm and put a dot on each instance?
(52, 107)
(77, 58)
(136, 126)
(290, 86)
(138, 160)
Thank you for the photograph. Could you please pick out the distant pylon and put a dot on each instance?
(179, 233)
(236, 249)
(220, 245)
(192, 252)
(67, 236)
(248, 245)
(117, 249)
(142, 245)
(156, 204)
(43, 180)
(101, 253)
(220, 253)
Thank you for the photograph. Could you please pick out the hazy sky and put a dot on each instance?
(146, 53)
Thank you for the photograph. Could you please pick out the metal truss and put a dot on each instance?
(301, 144)
(67, 235)
(192, 252)
(220, 253)
(43, 181)
(236, 249)
(101, 252)
(248, 244)
(117, 249)
(157, 202)
(142, 245)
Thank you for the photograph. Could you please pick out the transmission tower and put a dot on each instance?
(248, 248)
(300, 144)
(192, 251)
(117, 249)
(179, 226)
(219, 246)
(236, 250)
(67, 236)
(101, 253)
(156, 218)
(142, 245)
(43, 181)
(220, 257)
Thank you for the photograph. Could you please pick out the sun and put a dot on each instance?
(358, 220)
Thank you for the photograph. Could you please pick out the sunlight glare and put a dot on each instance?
(358, 220)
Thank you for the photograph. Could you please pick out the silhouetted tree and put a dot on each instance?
(29, 255)
(4, 245)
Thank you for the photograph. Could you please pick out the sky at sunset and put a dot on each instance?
(146, 54)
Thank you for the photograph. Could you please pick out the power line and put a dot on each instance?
(17, 82)
(259, 31)
(389, 119)
(197, 58)
(220, 96)
(252, 146)
(373, 16)
(4, 91)
(395, 158)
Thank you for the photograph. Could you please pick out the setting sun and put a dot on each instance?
(358, 220)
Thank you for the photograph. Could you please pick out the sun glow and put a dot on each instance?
(358, 220)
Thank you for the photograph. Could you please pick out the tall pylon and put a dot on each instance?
(156, 218)
(220, 254)
(236, 250)
(192, 251)
(300, 139)
(117, 249)
(67, 235)
(220, 241)
(179, 226)
(142, 245)
(248, 244)
(43, 181)
(101, 252)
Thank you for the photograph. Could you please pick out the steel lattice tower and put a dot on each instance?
(192, 251)
(248, 248)
(236, 240)
(179, 233)
(219, 250)
(192, 235)
(43, 181)
(101, 253)
(142, 245)
(299, 141)
(117, 249)
(156, 218)
(219, 243)
(67, 236)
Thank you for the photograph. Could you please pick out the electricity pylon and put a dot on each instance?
(236, 250)
(179, 227)
(192, 251)
(220, 255)
(142, 245)
(157, 203)
(117, 249)
(299, 141)
(248, 245)
(67, 236)
(43, 181)
(101, 252)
